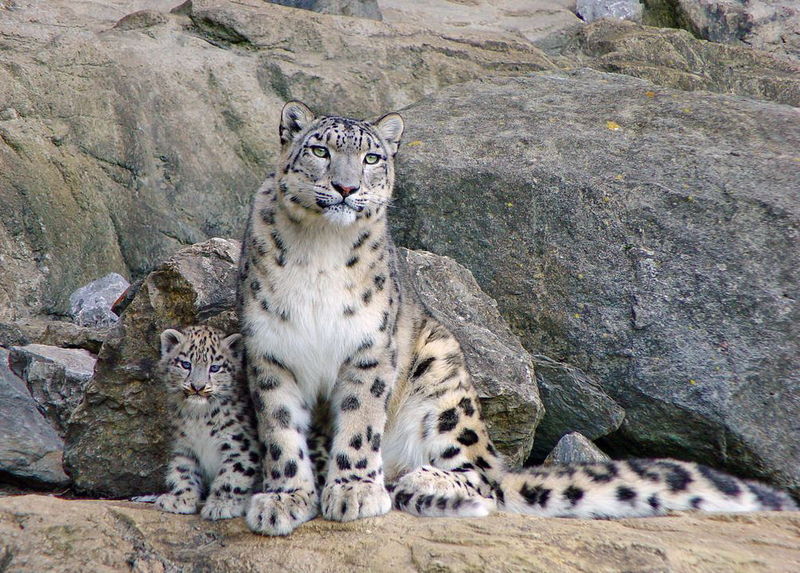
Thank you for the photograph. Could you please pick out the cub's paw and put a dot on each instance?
(279, 513)
(178, 503)
(223, 508)
(354, 500)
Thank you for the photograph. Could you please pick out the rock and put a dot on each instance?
(117, 442)
(482, 20)
(46, 533)
(119, 163)
(355, 8)
(675, 59)
(91, 305)
(501, 368)
(30, 449)
(769, 25)
(38, 330)
(575, 403)
(605, 218)
(591, 10)
(575, 448)
(55, 377)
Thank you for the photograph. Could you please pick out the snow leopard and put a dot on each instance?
(352, 378)
(216, 458)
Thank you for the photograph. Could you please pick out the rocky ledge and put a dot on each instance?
(39, 533)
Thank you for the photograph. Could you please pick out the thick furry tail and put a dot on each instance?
(633, 488)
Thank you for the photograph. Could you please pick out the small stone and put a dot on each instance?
(591, 10)
(8, 113)
(55, 377)
(91, 305)
(575, 448)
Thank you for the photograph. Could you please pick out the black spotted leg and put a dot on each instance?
(234, 484)
(355, 485)
(289, 497)
(185, 483)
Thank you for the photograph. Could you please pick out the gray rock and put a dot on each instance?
(676, 59)
(355, 8)
(30, 449)
(117, 439)
(645, 236)
(91, 305)
(575, 403)
(55, 377)
(575, 448)
(591, 10)
(501, 368)
(43, 330)
(769, 25)
(124, 163)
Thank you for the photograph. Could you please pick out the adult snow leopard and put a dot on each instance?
(341, 355)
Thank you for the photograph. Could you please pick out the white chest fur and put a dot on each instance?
(206, 447)
(314, 291)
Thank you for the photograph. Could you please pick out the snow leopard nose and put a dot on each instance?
(198, 385)
(344, 190)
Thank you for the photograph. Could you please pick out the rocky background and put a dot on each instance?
(612, 191)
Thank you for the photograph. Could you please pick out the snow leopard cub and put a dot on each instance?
(215, 451)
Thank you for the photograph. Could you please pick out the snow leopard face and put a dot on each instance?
(200, 364)
(336, 168)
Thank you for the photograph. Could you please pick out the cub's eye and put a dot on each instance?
(319, 151)
(214, 368)
(371, 158)
(186, 365)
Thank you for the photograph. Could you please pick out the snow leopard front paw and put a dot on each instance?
(224, 508)
(279, 513)
(186, 503)
(354, 500)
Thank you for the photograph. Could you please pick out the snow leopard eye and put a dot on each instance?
(185, 364)
(371, 158)
(214, 368)
(320, 151)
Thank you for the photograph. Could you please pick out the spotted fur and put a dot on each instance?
(215, 452)
(354, 381)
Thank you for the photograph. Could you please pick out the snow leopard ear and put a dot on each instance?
(295, 117)
(390, 126)
(234, 344)
(170, 338)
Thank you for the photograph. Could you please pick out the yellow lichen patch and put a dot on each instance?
(414, 143)
(613, 125)
(650, 94)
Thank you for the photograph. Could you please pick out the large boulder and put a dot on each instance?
(649, 238)
(118, 440)
(30, 449)
(769, 25)
(49, 534)
(120, 144)
(501, 368)
(676, 59)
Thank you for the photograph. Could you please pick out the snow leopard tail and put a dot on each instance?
(632, 488)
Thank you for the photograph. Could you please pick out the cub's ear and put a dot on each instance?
(294, 118)
(170, 338)
(390, 126)
(234, 344)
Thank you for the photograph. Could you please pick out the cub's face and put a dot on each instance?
(334, 168)
(199, 365)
